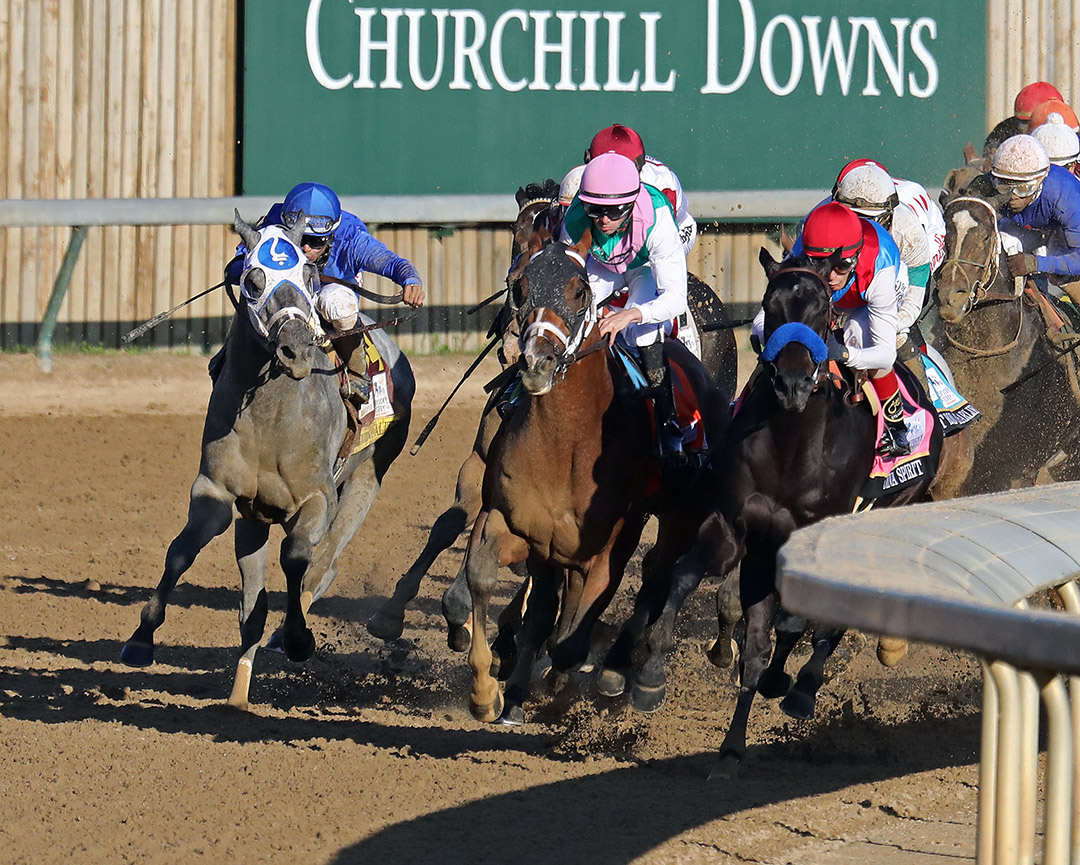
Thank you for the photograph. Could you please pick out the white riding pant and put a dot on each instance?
(641, 287)
(338, 305)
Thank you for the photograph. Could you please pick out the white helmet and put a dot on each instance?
(570, 185)
(1021, 159)
(868, 190)
(1061, 143)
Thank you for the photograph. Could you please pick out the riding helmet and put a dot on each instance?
(832, 228)
(1062, 143)
(609, 179)
(1021, 158)
(1053, 106)
(570, 185)
(316, 201)
(1032, 96)
(618, 139)
(868, 190)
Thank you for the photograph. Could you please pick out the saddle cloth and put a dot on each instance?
(891, 474)
(374, 417)
(953, 410)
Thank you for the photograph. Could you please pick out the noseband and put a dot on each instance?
(798, 332)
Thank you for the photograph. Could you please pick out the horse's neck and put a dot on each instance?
(245, 354)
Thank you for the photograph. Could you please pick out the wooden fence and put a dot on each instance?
(136, 98)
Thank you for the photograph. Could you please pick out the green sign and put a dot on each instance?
(731, 94)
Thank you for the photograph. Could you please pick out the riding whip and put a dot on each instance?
(1060, 354)
(478, 306)
(725, 325)
(420, 439)
(161, 316)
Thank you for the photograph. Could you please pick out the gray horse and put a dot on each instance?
(273, 429)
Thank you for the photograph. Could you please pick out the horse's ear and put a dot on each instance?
(296, 232)
(970, 156)
(583, 244)
(247, 234)
(770, 264)
(520, 196)
(311, 275)
(786, 240)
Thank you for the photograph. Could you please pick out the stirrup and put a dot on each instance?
(360, 388)
(894, 442)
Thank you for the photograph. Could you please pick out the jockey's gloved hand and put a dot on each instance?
(837, 350)
(1022, 264)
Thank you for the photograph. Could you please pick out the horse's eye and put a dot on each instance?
(254, 283)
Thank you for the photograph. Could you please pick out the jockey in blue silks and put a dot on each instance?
(339, 244)
(1042, 209)
(865, 280)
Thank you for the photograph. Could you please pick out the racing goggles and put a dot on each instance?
(1018, 188)
(315, 241)
(317, 225)
(845, 265)
(614, 212)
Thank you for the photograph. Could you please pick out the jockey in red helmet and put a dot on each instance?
(626, 142)
(865, 269)
(1027, 100)
(636, 251)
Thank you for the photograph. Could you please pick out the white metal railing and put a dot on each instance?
(958, 574)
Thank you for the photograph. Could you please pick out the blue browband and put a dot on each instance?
(795, 331)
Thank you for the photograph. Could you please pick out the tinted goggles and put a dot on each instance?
(314, 241)
(1017, 188)
(614, 212)
(844, 265)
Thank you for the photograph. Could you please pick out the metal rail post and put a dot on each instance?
(60, 287)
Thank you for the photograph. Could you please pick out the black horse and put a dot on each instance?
(798, 450)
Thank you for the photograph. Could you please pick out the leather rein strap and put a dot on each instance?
(363, 292)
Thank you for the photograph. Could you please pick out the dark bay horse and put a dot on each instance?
(273, 429)
(992, 334)
(797, 451)
(566, 487)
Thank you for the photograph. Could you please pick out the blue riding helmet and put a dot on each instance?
(318, 202)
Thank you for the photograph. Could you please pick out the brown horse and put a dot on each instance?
(992, 335)
(539, 208)
(566, 487)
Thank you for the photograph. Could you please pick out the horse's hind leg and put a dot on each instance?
(799, 703)
(388, 621)
(209, 514)
(504, 646)
(251, 550)
(722, 651)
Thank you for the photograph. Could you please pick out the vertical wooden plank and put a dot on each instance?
(1014, 61)
(485, 285)
(200, 168)
(7, 91)
(420, 257)
(30, 111)
(128, 14)
(185, 73)
(80, 166)
(63, 46)
(46, 247)
(166, 154)
(1074, 53)
(146, 263)
(226, 133)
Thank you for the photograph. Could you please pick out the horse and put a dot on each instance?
(991, 333)
(539, 209)
(566, 488)
(798, 449)
(270, 449)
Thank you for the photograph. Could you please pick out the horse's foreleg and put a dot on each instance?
(722, 651)
(356, 498)
(251, 551)
(209, 514)
(504, 646)
(537, 623)
(799, 703)
(303, 533)
(388, 621)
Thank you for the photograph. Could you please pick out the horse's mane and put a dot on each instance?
(544, 190)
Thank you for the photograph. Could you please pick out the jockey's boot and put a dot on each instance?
(349, 348)
(658, 375)
(894, 440)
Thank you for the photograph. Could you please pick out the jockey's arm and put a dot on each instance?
(1066, 213)
(879, 352)
(668, 263)
(363, 252)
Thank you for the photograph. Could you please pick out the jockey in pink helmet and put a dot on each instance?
(636, 261)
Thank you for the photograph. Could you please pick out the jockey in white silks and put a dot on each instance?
(636, 258)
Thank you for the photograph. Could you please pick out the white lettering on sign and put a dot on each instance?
(590, 51)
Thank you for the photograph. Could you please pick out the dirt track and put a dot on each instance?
(367, 754)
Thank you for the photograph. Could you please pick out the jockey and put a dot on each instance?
(625, 141)
(1042, 113)
(917, 227)
(865, 269)
(570, 186)
(1040, 207)
(1061, 142)
(1027, 100)
(339, 245)
(637, 251)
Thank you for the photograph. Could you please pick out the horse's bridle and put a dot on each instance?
(819, 376)
(565, 342)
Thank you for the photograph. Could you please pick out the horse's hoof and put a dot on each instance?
(798, 705)
(773, 685)
(458, 638)
(722, 653)
(239, 705)
(301, 647)
(891, 650)
(611, 683)
(384, 626)
(487, 712)
(137, 654)
(512, 716)
(727, 767)
(647, 699)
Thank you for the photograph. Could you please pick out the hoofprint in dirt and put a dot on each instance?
(367, 753)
